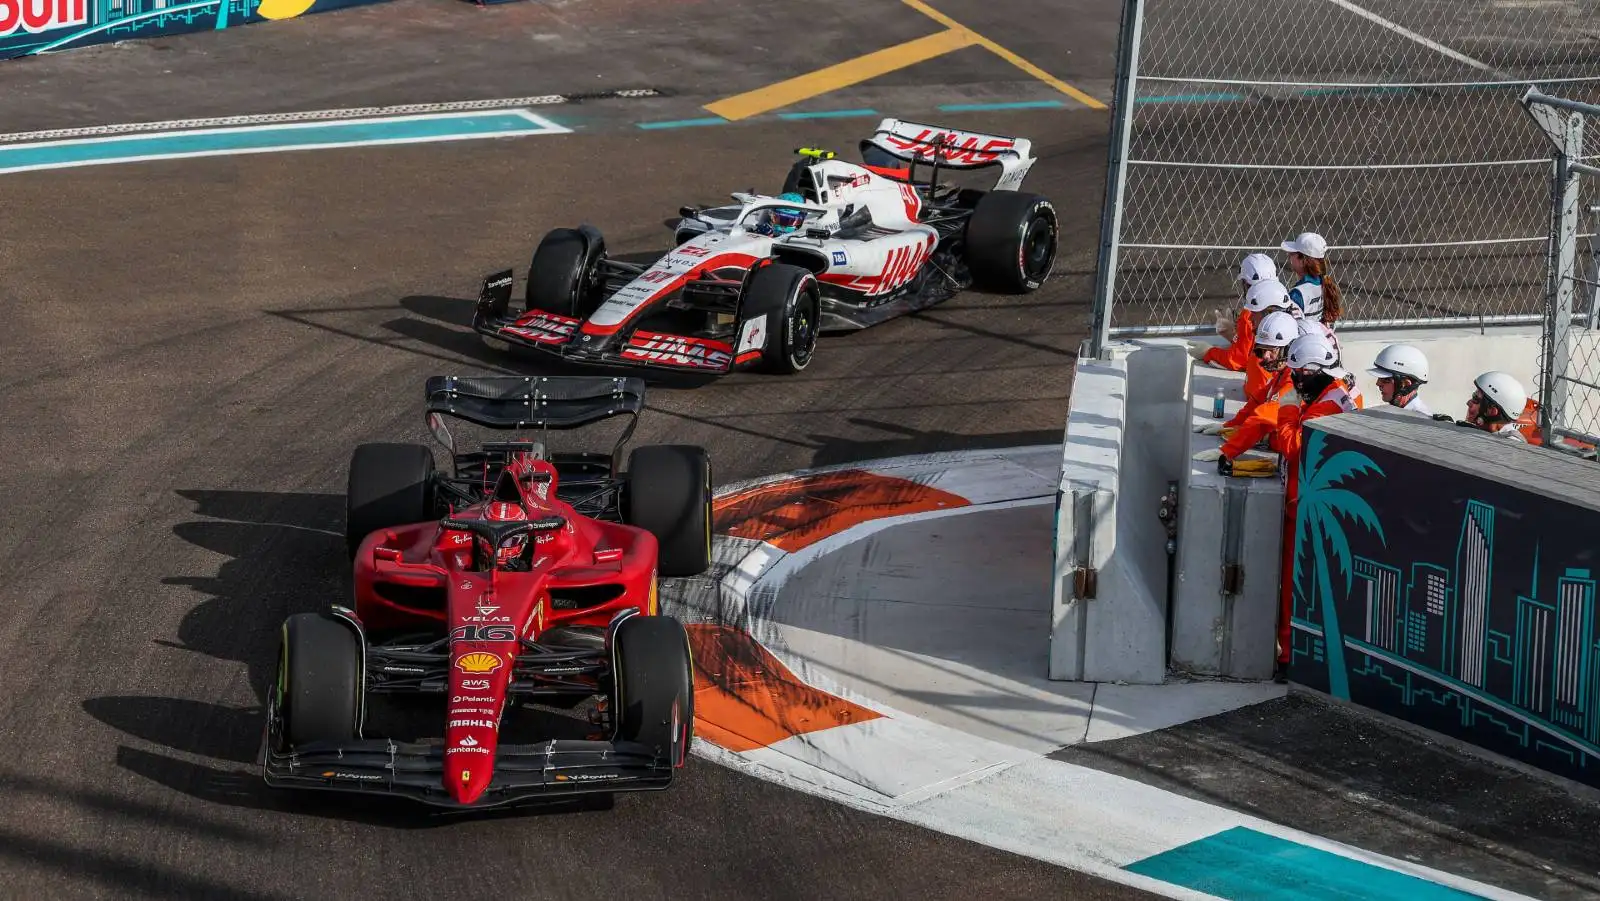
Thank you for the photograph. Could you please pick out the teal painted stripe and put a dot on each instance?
(254, 139)
(1245, 865)
(684, 123)
(1018, 104)
(831, 114)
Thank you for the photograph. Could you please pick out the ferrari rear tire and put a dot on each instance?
(653, 685)
(791, 302)
(668, 494)
(1011, 242)
(318, 692)
(563, 276)
(389, 485)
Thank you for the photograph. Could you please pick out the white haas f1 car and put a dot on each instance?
(751, 285)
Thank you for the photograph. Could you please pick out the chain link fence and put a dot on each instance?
(1569, 368)
(1391, 128)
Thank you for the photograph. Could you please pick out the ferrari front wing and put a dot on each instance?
(549, 770)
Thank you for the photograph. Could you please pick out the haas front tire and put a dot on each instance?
(653, 685)
(564, 275)
(1011, 242)
(669, 495)
(785, 302)
(390, 485)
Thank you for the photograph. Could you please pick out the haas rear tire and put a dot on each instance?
(563, 277)
(653, 685)
(669, 495)
(1011, 242)
(319, 687)
(785, 302)
(390, 485)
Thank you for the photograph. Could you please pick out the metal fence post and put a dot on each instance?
(1566, 237)
(1105, 278)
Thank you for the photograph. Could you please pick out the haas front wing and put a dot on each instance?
(630, 348)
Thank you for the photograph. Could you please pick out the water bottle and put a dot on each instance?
(1216, 405)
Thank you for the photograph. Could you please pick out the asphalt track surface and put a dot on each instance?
(194, 348)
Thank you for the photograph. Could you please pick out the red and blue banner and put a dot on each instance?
(28, 27)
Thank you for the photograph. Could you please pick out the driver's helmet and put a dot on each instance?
(512, 550)
(783, 220)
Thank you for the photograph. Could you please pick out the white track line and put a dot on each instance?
(307, 116)
(1407, 33)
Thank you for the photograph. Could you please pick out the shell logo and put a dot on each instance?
(479, 663)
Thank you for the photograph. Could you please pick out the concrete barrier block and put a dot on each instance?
(1121, 439)
(1225, 591)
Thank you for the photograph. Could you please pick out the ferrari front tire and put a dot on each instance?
(319, 685)
(653, 686)
(1011, 242)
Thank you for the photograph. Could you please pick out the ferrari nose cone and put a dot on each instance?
(468, 769)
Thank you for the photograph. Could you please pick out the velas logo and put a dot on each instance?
(479, 663)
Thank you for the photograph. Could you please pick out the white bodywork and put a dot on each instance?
(861, 226)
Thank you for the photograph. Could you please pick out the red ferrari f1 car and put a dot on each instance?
(750, 286)
(517, 575)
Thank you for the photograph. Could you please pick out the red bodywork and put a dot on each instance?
(425, 576)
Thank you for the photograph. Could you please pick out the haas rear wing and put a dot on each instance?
(952, 148)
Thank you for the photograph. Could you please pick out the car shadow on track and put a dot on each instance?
(285, 554)
(900, 441)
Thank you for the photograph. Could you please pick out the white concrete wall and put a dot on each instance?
(1122, 444)
(1215, 632)
(1129, 432)
(1455, 358)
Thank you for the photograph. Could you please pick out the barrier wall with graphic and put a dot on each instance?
(41, 26)
(1447, 577)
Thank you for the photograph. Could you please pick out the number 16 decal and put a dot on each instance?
(483, 633)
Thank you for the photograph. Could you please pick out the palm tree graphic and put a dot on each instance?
(1318, 526)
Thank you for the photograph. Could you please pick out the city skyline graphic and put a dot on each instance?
(1485, 629)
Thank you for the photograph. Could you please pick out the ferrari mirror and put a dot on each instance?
(440, 432)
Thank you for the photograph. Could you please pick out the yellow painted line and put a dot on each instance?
(842, 75)
(1005, 54)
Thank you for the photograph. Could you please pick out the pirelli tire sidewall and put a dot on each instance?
(791, 299)
(318, 692)
(563, 274)
(1012, 240)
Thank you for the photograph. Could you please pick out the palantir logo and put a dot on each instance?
(35, 16)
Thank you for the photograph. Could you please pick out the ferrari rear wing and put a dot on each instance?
(534, 402)
(552, 769)
(952, 148)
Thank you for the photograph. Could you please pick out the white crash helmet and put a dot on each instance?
(1312, 353)
(1506, 392)
(1257, 267)
(1276, 329)
(1400, 359)
(1267, 295)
